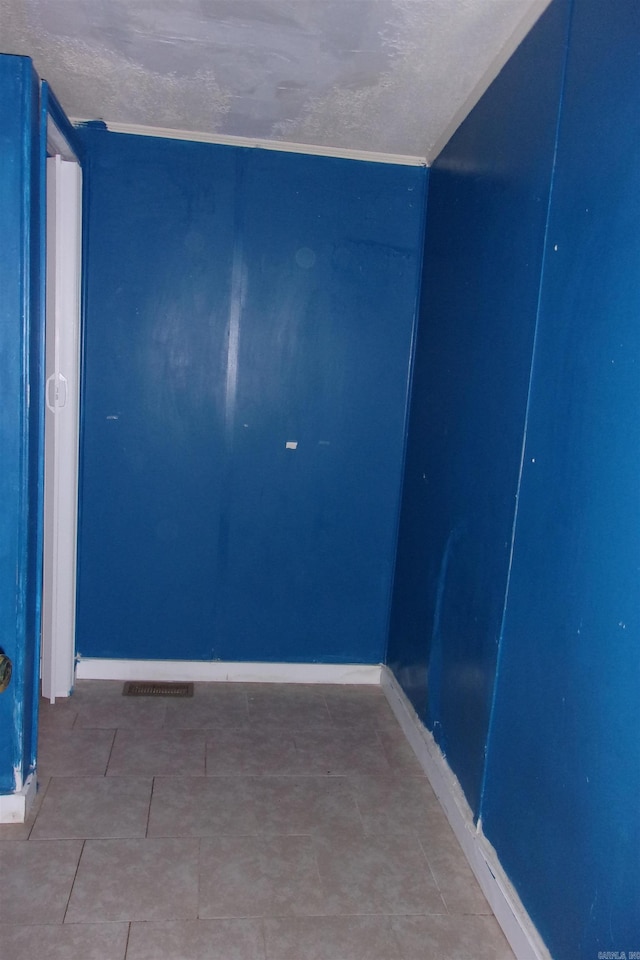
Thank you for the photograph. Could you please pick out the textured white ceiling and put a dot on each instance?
(384, 76)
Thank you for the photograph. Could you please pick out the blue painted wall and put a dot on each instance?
(519, 645)
(238, 300)
(563, 778)
(21, 375)
(488, 197)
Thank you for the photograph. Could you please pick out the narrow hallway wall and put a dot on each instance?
(519, 645)
(486, 219)
(563, 773)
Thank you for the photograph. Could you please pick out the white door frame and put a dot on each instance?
(62, 394)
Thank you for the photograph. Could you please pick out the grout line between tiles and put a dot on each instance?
(126, 945)
(199, 876)
(153, 787)
(75, 877)
(357, 806)
(317, 864)
(113, 743)
(40, 802)
(264, 937)
(435, 879)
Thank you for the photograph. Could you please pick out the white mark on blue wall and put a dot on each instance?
(238, 293)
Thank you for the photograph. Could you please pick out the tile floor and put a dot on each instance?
(252, 822)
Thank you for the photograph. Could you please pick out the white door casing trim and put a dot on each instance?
(62, 389)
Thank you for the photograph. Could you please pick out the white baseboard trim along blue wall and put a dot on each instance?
(14, 807)
(516, 924)
(225, 670)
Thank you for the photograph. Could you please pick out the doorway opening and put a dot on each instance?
(62, 399)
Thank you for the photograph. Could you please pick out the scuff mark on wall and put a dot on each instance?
(435, 662)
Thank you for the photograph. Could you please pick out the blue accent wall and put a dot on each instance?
(487, 210)
(515, 626)
(563, 778)
(236, 301)
(21, 427)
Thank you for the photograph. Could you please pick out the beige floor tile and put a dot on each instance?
(450, 938)
(93, 691)
(123, 712)
(296, 705)
(204, 807)
(360, 706)
(306, 806)
(207, 711)
(369, 875)
(37, 876)
(60, 715)
(397, 805)
(157, 753)
(457, 884)
(346, 752)
(79, 753)
(398, 753)
(248, 877)
(330, 938)
(251, 752)
(221, 690)
(135, 880)
(68, 941)
(97, 807)
(197, 940)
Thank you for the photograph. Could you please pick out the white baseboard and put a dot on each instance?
(14, 807)
(220, 670)
(516, 924)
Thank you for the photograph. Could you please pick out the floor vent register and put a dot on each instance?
(139, 688)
